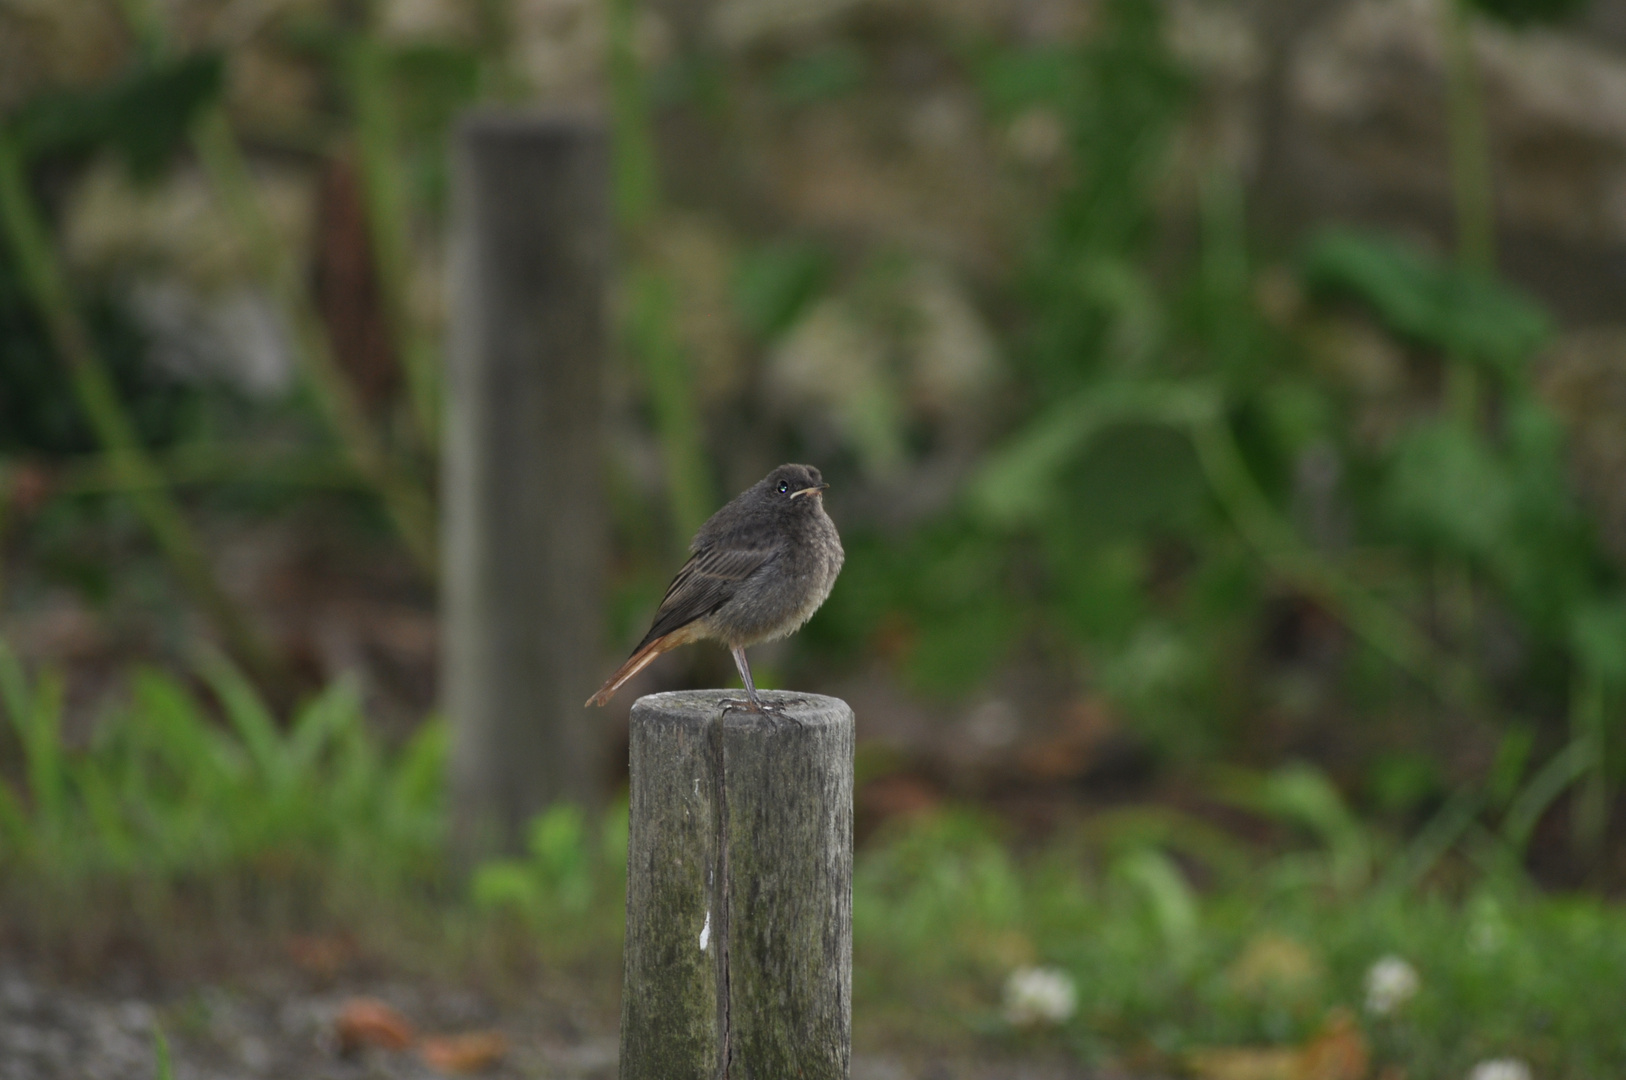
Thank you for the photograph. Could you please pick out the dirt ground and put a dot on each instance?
(276, 1024)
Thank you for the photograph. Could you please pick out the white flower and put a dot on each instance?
(1039, 996)
(1501, 1069)
(1390, 983)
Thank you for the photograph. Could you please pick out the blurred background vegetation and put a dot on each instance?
(1226, 410)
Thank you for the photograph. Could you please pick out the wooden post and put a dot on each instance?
(524, 523)
(739, 890)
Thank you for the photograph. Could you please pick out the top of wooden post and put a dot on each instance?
(510, 122)
(703, 707)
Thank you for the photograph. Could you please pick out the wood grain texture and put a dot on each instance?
(524, 521)
(739, 890)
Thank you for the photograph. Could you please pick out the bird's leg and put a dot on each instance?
(753, 703)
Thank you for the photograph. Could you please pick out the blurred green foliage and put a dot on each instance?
(943, 912)
(1164, 482)
(824, 74)
(143, 118)
(310, 816)
(142, 115)
(1150, 511)
(1435, 304)
(1142, 515)
(773, 285)
(39, 414)
(1528, 12)
(165, 794)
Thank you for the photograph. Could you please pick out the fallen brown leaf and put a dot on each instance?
(370, 1022)
(475, 1051)
(1337, 1052)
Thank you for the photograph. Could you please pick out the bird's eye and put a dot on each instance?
(784, 486)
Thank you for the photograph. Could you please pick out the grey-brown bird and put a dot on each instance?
(758, 569)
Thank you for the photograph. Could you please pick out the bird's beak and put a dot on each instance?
(817, 489)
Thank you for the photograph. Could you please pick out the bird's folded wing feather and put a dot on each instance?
(706, 583)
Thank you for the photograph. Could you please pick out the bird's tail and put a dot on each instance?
(635, 663)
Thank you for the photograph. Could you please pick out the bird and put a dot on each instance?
(757, 570)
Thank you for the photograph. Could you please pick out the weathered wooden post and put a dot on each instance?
(739, 890)
(524, 524)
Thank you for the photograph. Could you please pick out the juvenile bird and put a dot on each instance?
(758, 569)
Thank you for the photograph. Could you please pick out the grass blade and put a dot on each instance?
(248, 715)
(1562, 770)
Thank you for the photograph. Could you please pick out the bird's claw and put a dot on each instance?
(761, 708)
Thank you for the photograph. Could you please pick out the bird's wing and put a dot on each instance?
(706, 583)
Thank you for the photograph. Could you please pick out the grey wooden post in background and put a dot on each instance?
(524, 524)
(739, 890)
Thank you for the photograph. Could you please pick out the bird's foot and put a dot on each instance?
(760, 707)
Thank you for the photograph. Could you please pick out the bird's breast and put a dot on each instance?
(787, 591)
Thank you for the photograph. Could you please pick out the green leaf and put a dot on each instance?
(1400, 782)
(172, 723)
(144, 115)
(775, 284)
(1301, 795)
(15, 694)
(1168, 895)
(1598, 636)
(418, 777)
(109, 823)
(36, 715)
(16, 835)
(1427, 301)
(1448, 488)
(162, 1069)
(505, 883)
(248, 715)
(1014, 79)
(1512, 759)
(332, 713)
(558, 844)
(557, 839)
(1135, 480)
(1018, 482)
(432, 83)
(1550, 781)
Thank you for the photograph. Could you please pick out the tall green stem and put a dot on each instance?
(636, 185)
(47, 287)
(5, 520)
(389, 227)
(1384, 629)
(652, 340)
(1588, 726)
(1476, 253)
(1470, 180)
(408, 505)
(651, 335)
(1470, 143)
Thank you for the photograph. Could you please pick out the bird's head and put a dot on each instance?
(794, 485)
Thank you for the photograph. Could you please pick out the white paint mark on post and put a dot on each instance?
(705, 932)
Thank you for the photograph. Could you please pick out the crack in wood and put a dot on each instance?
(722, 889)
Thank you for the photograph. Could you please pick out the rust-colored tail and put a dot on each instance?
(635, 663)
